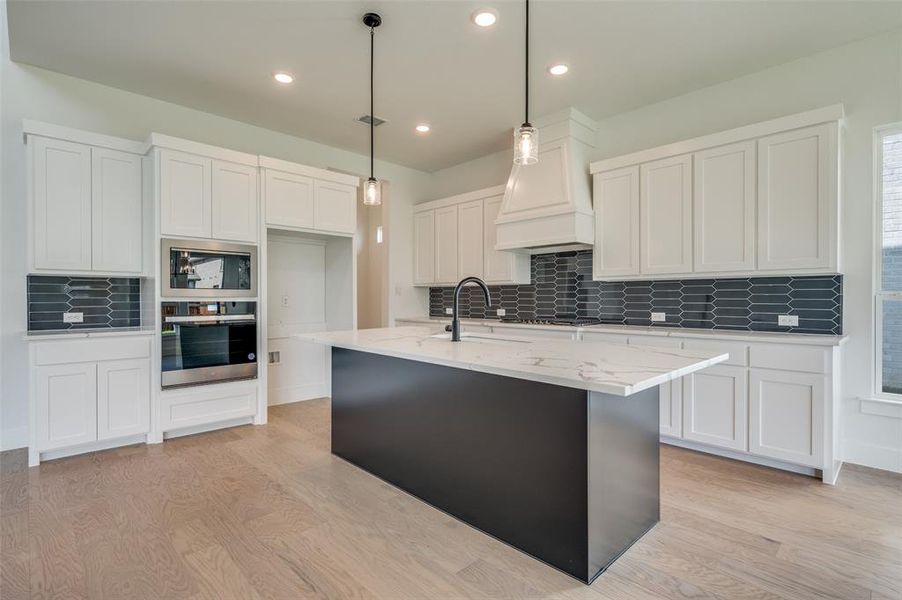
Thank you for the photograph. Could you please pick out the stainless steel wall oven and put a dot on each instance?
(208, 342)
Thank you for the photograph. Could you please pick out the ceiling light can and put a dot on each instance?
(283, 77)
(484, 17)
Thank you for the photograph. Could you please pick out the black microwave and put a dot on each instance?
(202, 269)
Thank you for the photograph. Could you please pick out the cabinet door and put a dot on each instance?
(715, 407)
(334, 207)
(424, 247)
(616, 199)
(61, 204)
(234, 202)
(671, 398)
(724, 208)
(446, 248)
(66, 405)
(186, 196)
(123, 398)
(470, 238)
(289, 200)
(797, 199)
(666, 216)
(116, 211)
(787, 416)
(500, 266)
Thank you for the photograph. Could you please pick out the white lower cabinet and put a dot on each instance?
(123, 398)
(198, 407)
(671, 412)
(65, 405)
(715, 407)
(87, 393)
(786, 417)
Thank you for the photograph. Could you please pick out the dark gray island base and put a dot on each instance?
(568, 476)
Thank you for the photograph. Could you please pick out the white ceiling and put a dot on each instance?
(432, 63)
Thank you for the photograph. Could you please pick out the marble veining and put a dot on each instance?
(597, 366)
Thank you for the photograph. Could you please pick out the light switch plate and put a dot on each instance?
(658, 317)
(73, 317)
(501, 312)
(286, 301)
(448, 311)
(788, 320)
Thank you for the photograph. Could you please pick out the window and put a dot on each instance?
(888, 300)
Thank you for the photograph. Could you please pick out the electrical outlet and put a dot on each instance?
(788, 321)
(501, 312)
(73, 317)
(448, 311)
(658, 317)
(275, 357)
(286, 301)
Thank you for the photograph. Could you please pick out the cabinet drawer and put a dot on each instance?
(87, 350)
(525, 332)
(610, 338)
(655, 341)
(790, 358)
(737, 350)
(196, 406)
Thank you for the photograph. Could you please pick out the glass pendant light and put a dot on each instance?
(372, 193)
(526, 138)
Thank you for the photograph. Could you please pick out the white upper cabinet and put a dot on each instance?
(61, 204)
(186, 194)
(724, 208)
(797, 199)
(500, 266)
(665, 192)
(334, 207)
(424, 247)
(446, 245)
(116, 211)
(289, 199)
(759, 199)
(616, 251)
(234, 202)
(470, 238)
(86, 207)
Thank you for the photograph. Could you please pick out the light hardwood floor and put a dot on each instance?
(267, 512)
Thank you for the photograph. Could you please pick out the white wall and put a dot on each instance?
(866, 76)
(45, 96)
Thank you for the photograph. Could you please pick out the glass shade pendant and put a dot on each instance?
(526, 138)
(526, 145)
(372, 195)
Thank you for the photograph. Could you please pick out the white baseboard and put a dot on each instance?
(13, 439)
(94, 446)
(297, 393)
(758, 460)
(871, 455)
(175, 433)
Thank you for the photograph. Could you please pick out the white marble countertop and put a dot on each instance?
(597, 366)
(72, 334)
(808, 339)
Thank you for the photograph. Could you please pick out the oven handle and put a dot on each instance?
(210, 318)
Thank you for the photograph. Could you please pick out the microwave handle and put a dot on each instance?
(209, 318)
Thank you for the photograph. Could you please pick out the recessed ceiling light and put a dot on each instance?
(423, 128)
(559, 69)
(283, 77)
(485, 17)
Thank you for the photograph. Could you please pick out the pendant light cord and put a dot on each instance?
(526, 117)
(372, 114)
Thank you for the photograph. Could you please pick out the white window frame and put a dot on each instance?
(879, 295)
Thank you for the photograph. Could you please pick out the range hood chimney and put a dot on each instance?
(547, 206)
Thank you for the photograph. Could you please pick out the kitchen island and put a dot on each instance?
(550, 446)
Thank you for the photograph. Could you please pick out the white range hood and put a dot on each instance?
(547, 206)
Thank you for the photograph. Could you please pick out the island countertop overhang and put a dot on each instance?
(593, 366)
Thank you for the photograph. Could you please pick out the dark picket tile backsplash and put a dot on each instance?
(105, 302)
(562, 288)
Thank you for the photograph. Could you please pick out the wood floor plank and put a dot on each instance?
(268, 512)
